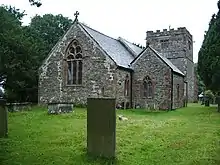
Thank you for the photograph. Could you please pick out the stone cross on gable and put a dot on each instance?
(76, 14)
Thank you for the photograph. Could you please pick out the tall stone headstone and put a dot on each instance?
(101, 126)
(3, 119)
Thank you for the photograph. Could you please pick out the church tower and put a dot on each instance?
(177, 46)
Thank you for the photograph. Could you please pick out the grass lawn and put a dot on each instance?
(188, 136)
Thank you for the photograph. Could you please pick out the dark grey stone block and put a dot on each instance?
(101, 126)
(3, 119)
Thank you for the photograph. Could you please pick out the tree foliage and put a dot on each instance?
(50, 28)
(23, 48)
(18, 53)
(35, 3)
(209, 55)
(16, 12)
(201, 85)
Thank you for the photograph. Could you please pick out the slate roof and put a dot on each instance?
(122, 51)
(112, 47)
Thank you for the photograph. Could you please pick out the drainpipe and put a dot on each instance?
(171, 90)
(131, 93)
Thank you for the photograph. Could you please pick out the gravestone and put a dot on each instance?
(101, 126)
(218, 102)
(207, 101)
(3, 118)
(57, 108)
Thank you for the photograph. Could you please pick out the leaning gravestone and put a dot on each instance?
(3, 119)
(101, 126)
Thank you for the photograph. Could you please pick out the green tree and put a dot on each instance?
(50, 28)
(209, 55)
(201, 85)
(35, 3)
(16, 12)
(23, 48)
(18, 58)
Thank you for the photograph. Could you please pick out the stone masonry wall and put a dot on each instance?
(178, 80)
(150, 65)
(99, 72)
(177, 46)
(196, 86)
(191, 81)
(120, 86)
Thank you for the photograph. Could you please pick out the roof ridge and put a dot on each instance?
(129, 42)
(98, 31)
(121, 40)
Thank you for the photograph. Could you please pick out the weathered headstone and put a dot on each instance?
(101, 126)
(57, 108)
(3, 118)
(207, 101)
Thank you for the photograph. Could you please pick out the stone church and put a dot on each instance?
(87, 63)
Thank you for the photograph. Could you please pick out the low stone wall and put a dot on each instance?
(15, 107)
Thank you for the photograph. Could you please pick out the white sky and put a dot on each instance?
(128, 18)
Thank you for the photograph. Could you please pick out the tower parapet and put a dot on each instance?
(167, 32)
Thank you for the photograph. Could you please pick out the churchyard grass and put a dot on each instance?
(187, 136)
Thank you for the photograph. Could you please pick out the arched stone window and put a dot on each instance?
(74, 63)
(126, 86)
(148, 87)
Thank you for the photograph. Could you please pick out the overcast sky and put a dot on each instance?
(130, 19)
